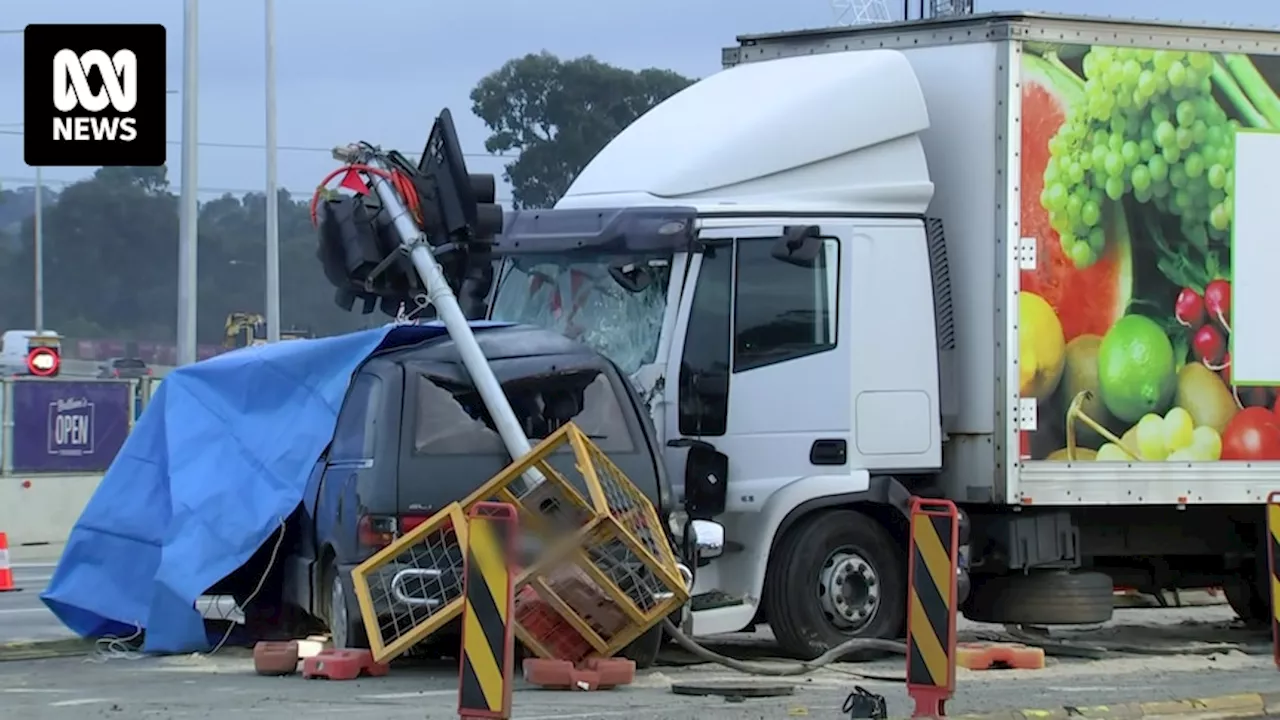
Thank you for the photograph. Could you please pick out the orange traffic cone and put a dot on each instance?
(6, 572)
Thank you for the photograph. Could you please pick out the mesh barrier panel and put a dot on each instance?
(598, 569)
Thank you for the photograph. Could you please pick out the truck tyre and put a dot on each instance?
(643, 651)
(1042, 598)
(346, 628)
(834, 576)
(1249, 592)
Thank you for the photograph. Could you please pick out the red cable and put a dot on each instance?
(402, 183)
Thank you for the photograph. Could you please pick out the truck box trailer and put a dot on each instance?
(1018, 261)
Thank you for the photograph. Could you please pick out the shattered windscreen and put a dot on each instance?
(615, 309)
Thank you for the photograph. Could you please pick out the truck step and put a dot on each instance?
(712, 600)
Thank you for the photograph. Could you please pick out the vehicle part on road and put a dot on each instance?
(1047, 597)
(6, 572)
(488, 648)
(931, 619)
(605, 573)
(730, 690)
(856, 570)
(862, 703)
(343, 665)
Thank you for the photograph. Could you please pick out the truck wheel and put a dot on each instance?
(1042, 598)
(835, 576)
(346, 628)
(1249, 592)
(643, 651)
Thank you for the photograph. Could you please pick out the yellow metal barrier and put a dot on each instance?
(603, 575)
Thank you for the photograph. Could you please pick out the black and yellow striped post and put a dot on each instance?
(488, 652)
(1273, 563)
(931, 605)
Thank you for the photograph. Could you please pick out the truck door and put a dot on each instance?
(756, 369)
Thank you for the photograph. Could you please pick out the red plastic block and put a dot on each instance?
(343, 665)
(986, 656)
(593, 674)
(275, 658)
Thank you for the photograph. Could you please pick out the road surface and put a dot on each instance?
(22, 615)
(223, 687)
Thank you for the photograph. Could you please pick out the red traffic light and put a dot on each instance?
(43, 361)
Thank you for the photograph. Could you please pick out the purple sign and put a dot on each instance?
(61, 426)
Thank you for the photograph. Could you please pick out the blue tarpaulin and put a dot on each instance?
(218, 459)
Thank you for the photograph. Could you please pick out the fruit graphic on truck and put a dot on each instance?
(1128, 188)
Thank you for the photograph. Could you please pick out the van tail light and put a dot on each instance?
(376, 531)
(148, 372)
(116, 372)
(409, 522)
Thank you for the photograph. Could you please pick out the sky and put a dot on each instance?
(410, 58)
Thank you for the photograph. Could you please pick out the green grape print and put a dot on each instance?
(1148, 126)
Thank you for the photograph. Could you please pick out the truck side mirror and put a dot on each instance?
(799, 245)
(706, 475)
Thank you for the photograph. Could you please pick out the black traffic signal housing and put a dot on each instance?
(362, 253)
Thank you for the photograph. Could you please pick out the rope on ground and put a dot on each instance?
(113, 647)
(262, 580)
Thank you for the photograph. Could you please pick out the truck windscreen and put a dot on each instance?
(614, 308)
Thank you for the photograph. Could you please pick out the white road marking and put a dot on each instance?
(18, 611)
(81, 701)
(34, 691)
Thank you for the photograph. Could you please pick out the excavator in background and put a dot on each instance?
(246, 329)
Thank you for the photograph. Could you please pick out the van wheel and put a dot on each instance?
(835, 576)
(342, 615)
(643, 651)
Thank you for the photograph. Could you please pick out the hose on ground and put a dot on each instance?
(791, 669)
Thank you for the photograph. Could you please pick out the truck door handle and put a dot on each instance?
(829, 452)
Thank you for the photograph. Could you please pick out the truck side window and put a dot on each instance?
(357, 429)
(782, 311)
(704, 364)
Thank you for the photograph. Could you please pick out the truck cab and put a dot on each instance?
(779, 296)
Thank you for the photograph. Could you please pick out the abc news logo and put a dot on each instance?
(71, 92)
(94, 95)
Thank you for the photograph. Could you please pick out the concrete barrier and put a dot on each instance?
(40, 509)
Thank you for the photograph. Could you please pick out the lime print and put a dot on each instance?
(1136, 370)
(1129, 189)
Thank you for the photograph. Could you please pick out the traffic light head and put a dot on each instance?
(362, 253)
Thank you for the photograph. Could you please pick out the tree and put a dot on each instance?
(558, 114)
(111, 260)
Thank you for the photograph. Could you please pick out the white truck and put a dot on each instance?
(988, 259)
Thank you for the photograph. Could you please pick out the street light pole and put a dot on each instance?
(39, 250)
(189, 210)
(273, 204)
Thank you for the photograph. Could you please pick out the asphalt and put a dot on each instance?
(224, 686)
(22, 615)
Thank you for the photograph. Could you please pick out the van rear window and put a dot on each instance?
(451, 419)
